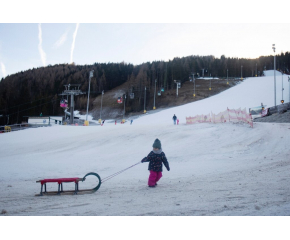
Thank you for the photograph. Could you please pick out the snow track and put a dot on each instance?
(216, 169)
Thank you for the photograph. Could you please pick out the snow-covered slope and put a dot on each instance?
(248, 94)
(216, 169)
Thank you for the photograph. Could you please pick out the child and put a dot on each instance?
(155, 159)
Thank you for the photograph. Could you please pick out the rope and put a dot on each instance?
(117, 173)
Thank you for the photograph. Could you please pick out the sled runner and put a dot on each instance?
(60, 182)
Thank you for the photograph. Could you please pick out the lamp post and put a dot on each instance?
(256, 71)
(242, 72)
(282, 86)
(191, 78)
(227, 76)
(91, 75)
(124, 108)
(289, 88)
(101, 105)
(155, 94)
(145, 101)
(274, 48)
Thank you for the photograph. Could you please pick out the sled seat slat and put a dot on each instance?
(60, 181)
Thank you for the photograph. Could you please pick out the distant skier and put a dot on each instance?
(103, 122)
(174, 119)
(177, 121)
(131, 121)
(155, 158)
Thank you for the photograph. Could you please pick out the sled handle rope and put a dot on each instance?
(117, 173)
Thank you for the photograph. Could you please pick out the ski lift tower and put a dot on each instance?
(178, 85)
(72, 90)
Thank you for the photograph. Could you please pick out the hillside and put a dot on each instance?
(113, 110)
(36, 91)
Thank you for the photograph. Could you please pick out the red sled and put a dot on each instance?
(60, 182)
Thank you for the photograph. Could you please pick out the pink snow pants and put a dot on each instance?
(154, 177)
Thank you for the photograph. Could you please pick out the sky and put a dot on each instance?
(103, 34)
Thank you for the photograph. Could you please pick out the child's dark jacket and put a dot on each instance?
(155, 161)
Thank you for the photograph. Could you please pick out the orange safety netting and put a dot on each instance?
(230, 115)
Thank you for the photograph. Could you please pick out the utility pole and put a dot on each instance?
(227, 76)
(242, 72)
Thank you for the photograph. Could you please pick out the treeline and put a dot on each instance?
(36, 91)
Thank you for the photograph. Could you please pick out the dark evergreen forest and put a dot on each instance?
(36, 91)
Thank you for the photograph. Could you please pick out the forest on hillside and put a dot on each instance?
(35, 91)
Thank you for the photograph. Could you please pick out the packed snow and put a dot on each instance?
(215, 169)
(248, 94)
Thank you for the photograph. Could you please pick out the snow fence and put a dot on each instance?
(230, 115)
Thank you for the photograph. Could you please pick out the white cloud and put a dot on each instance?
(42, 53)
(3, 70)
(73, 43)
(61, 40)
